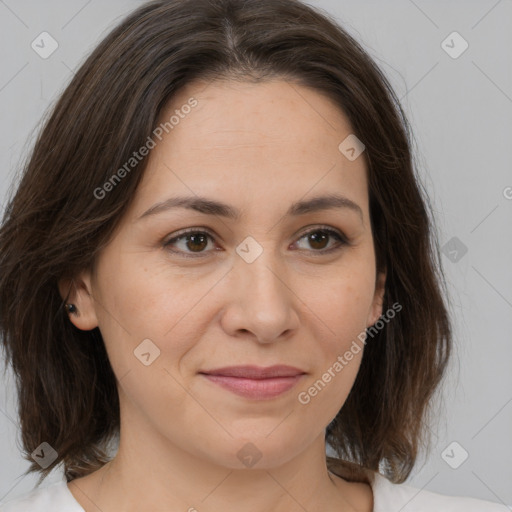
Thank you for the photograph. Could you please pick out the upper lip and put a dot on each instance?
(256, 372)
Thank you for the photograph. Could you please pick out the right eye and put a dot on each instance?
(193, 241)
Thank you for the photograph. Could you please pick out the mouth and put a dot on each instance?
(254, 382)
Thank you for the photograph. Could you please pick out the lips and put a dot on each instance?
(256, 372)
(255, 382)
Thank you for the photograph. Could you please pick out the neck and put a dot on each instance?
(149, 472)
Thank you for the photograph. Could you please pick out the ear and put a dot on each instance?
(78, 291)
(378, 299)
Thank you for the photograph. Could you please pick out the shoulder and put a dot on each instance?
(56, 497)
(388, 496)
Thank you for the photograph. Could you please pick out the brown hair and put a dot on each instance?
(54, 225)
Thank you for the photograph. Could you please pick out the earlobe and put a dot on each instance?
(77, 294)
(378, 299)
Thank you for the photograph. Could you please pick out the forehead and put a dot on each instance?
(272, 113)
(252, 143)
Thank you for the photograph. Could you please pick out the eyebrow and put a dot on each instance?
(212, 207)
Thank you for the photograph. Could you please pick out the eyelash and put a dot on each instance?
(341, 239)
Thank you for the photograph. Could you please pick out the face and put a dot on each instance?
(271, 278)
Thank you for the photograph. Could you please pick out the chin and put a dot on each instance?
(263, 449)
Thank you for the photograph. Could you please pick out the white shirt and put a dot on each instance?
(387, 497)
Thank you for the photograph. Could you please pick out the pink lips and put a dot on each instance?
(255, 382)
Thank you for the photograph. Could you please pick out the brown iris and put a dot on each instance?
(197, 241)
(318, 237)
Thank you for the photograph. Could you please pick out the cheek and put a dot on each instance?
(342, 309)
(343, 305)
(144, 321)
(142, 297)
(337, 354)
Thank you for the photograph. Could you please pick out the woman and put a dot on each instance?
(219, 258)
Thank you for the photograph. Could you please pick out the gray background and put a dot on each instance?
(461, 112)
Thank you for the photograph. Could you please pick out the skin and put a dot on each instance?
(259, 148)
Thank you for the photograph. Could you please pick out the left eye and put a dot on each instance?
(195, 241)
(318, 236)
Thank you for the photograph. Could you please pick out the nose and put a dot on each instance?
(261, 302)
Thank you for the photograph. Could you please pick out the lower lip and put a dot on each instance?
(258, 389)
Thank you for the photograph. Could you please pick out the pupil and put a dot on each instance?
(194, 237)
(318, 237)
